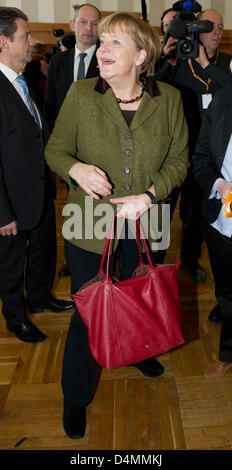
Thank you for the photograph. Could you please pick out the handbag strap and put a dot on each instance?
(108, 244)
(106, 247)
(139, 235)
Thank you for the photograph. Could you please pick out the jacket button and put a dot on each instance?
(127, 136)
(127, 171)
(127, 187)
(128, 152)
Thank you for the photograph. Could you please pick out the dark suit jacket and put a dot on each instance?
(22, 165)
(210, 150)
(59, 79)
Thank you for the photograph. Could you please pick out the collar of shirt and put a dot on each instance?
(213, 58)
(88, 59)
(11, 75)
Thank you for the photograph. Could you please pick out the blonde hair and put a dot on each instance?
(140, 32)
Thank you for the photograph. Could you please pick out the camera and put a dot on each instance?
(58, 33)
(189, 48)
(186, 29)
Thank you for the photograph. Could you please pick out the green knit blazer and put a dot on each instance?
(91, 128)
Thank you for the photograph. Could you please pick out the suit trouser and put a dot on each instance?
(38, 248)
(220, 253)
(190, 214)
(173, 198)
(79, 366)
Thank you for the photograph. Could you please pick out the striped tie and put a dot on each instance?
(21, 80)
(81, 68)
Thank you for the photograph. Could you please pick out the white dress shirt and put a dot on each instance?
(11, 75)
(87, 59)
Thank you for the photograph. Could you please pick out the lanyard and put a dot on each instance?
(197, 76)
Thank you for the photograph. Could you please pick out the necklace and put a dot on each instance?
(137, 98)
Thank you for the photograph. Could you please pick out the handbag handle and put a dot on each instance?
(139, 235)
(108, 244)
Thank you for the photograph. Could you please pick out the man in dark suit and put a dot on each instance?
(198, 80)
(27, 215)
(212, 165)
(64, 68)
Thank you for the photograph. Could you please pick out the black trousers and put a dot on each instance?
(37, 248)
(79, 366)
(220, 253)
(190, 214)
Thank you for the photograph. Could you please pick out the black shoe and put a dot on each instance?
(150, 367)
(28, 332)
(196, 273)
(52, 304)
(215, 315)
(74, 421)
(64, 271)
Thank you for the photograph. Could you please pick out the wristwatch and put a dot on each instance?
(151, 196)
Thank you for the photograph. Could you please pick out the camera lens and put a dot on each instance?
(58, 32)
(186, 48)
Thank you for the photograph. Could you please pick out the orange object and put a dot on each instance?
(227, 207)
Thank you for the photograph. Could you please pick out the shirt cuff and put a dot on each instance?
(214, 192)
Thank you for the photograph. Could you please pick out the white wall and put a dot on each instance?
(60, 11)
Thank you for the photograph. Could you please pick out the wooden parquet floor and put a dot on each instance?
(180, 410)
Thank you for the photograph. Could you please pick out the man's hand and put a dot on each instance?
(168, 49)
(10, 229)
(224, 187)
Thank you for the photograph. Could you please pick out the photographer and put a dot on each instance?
(206, 74)
(169, 47)
(198, 80)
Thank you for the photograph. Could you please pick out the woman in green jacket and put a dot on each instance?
(120, 141)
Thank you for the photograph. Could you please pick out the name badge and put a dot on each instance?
(206, 100)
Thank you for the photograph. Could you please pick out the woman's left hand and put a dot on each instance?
(133, 207)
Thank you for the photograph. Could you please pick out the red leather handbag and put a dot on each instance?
(131, 320)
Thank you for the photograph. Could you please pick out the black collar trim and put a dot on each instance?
(150, 85)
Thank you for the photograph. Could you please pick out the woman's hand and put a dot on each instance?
(133, 207)
(91, 179)
(224, 187)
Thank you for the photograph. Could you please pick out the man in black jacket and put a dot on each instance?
(64, 68)
(27, 214)
(198, 80)
(212, 166)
